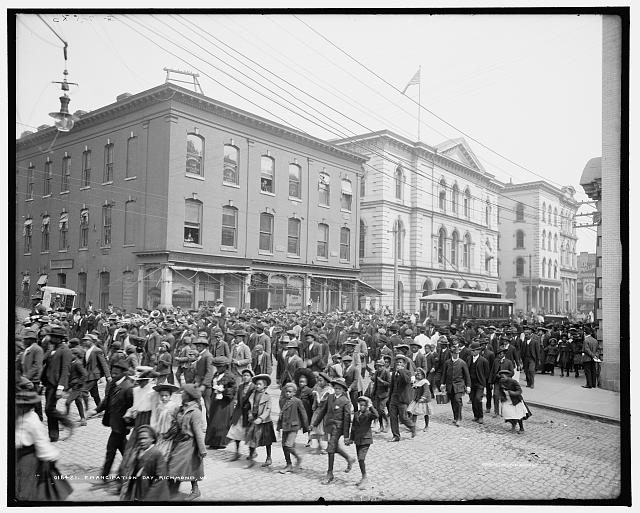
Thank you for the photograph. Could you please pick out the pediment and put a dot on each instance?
(460, 151)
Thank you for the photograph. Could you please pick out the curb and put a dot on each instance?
(578, 413)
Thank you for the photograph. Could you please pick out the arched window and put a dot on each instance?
(519, 239)
(192, 221)
(442, 235)
(555, 270)
(105, 279)
(520, 266)
(324, 190)
(550, 269)
(346, 195)
(323, 240)
(467, 203)
(345, 244)
(400, 233)
(267, 174)
(399, 183)
(466, 251)
(555, 217)
(295, 189)
(442, 197)
(544, 267)
(454, 248)
(427, 287)
(266, 232)
(442, 285)
(549, 241)
(520, 212)
(466, 285)
(488, 214)
(363, 186)
(195, 154)
(454, 285)
(549, 219)
(455, 193)
(230, 164)
(544, 239)
(555, 242)
(363, 235)
(544, 212)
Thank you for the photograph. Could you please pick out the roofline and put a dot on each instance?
(185, 96)
(539, 184)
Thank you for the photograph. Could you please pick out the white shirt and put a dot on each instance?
(86, 355)
(475, 358)
(31, 431)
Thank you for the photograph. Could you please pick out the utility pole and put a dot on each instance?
(395, 267)
(530, 295)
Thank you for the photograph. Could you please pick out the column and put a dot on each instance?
(340, 294)
(141, 297)
(247, 294)
(166, 286)
(196, 290)
(306, 292)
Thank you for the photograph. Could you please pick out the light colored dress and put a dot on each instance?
(161, 418)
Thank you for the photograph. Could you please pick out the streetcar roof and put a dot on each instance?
(451, 297)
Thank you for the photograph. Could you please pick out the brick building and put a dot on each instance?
(168, 197)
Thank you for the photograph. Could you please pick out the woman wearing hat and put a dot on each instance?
(320, 392)
(261, 432)
(35, 454)
(512, 406)
(239, 430)
(223, 392)
(188, 448)
(162, 414)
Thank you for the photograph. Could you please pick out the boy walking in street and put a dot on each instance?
(361, 434)
(292, 417)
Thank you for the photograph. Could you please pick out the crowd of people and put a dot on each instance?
(181, 382)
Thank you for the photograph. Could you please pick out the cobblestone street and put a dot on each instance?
(559, 456)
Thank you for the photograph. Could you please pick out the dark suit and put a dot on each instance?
(530, 354)
(490, 357)
(361, 431)
(319, 356)
(479, 374)
(204, 376)
(264, 366)
(97, 367)
(590, 350)
(494, 379)
(118, 398)
(292, 363)
(32, 361)
(400, 395)
(55, 374)
(380, 393)
(455, 377)
(420, 361)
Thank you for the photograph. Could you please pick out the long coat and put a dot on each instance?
(188, 443)
(33, 359)
(221, 411)
(478, 371)
(56, 367)
(455, 376)
(204, 369)
(400, 387)
(117, 400)
(96, 365)
(147, 481)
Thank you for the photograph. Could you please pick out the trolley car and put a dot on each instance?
(453, 306)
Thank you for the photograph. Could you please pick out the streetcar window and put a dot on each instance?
(443, 311)
(432, 309)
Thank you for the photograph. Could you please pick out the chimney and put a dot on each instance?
(123, 96)
(79, 113)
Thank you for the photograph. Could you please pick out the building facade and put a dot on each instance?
(428, 215)
(168, 197)
(538, 247)
(586, 292)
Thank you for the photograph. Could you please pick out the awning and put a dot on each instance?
(365, 287)
(209, 270)
(26, 279)
(324, 179)
(84, 216)
(43, 279)
(346, 187)
(324, 276)
(45, 222)
(28, 222)
(64, 219)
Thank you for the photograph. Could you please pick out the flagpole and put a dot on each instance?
(419, 108)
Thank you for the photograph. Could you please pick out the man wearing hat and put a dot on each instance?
(240, 354)
(152, 346)
(97, 368)
(204, 371)
(118, 398)
(456, 380)
(186, 358)
(316, 353)
(337, 410)
(55, 377)
(293, 362)
(32, 361)
(501, 363)
(260, 361)
(399, 398)
(381, 380)
(218, 346)
(263, 339)
(479, 374)
(487, 354)
(530, 353)
(417, 356)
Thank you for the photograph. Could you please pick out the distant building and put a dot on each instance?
(538, 247)
(586, 291)
(435, 208)
(168, 197)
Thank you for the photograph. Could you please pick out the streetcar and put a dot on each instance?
(454, 306)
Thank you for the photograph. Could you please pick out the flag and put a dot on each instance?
(414, 81)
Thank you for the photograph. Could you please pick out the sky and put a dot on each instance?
(525, 90)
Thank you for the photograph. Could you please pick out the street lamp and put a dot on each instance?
(64, 120)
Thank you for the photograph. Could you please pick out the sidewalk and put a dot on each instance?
(567, 395)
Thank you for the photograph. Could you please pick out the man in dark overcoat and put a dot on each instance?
(455, 380)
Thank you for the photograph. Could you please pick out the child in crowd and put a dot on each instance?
(305, 381)
(261, 432)
(361, 434)
(292, 418)
(421, 403)
(320, 393)
(239, 430)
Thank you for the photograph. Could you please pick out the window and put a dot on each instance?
(231, 165)
(293, 238)
(107, 175)
(555, 217)
(400, 294)
(549, 241)
(132, 157)
(295, 189)
(192, 221)
(549, 220)
(323, 240)
(487, 261)
(81, 298)
(399, 176)
(346, 195)
(455, 193)
(520, 266)
(84, 228)
(442, 200)
(48, 173)
(544, 212)
(86, 169)
(555, 270)
(555, 243)
(550, 269)
(466, 251)
(195, 154)
(441, 243)
(267, 177)
(345, 243)
(467, 203)
(27, 232)
(544, 239)
(130, 222)
(266, 232)
(62, 280)
(544, 266)
(66, 174)
(229, 227)
(488, 214)
(454, 248)
(106, 225)
(363, 182)
(104, 290)
(63, 226)
(520, 212)
(44, 246)
(362, 239)
(519, 239)
(324, 189)
(30, 172)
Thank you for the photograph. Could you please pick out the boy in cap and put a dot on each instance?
(400, 396)
(293, 417)
(456, 380)
(55, 378)
(501, 363)
(361, 434)
(77, 378)
(337, 409)
(380, 394)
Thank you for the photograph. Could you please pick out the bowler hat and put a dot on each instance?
(201, 341)
(312, 334)
(58, 331)
(166, 386)
(263, 377)
(219, 361)
(340, 382)
(505, 372)
(29, 335)
(248, 371)
(122, 365)
(474, 345)
(292, 345)
(240, 333)
(325, 376)
(192, 391)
